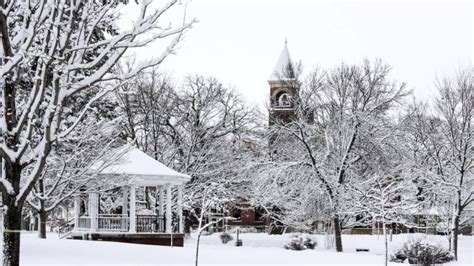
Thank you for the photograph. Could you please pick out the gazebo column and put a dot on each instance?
(94, 210)
(161, 207)
(168, 209)
(77, 211)
(133, 210)
(180, 210)
(124, 207)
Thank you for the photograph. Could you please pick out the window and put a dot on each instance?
(284, 100)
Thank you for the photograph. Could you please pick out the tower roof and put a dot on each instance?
(283, 68)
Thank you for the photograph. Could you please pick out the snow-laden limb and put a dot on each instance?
(340, 120)
(200, 129)
(6, 186)
(442, 138)
(58, 58)
(207, 201)
(70, 173)
(387, 196)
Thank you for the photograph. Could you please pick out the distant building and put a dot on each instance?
(284, 89)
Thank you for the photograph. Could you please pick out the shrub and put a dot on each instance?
(226, 237)
(300, 242)
(420, 251)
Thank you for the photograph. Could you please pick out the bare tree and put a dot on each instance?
(200, 129)
(147, 103)
(455, 108)
(336, 115)
(386, 195)
(386, 201)
(70, 168)
(52, 52)
(444, 137)
(213, 196)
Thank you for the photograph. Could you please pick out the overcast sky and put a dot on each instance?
(239, 41)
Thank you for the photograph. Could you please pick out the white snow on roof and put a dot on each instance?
(280, 69)
(430, 211)
(137, 163)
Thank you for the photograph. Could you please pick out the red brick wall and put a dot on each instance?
(247, 216)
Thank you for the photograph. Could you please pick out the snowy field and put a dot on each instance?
(258, 249)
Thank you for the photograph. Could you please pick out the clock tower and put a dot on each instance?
(283, 89)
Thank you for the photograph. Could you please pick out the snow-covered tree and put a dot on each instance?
(337, 114)
(288, 192)
(201, 129)
(444, 138)
(212, 197)
(388, 195)
(455, 107)
(146, 104)
(52, 52)
(70, 168)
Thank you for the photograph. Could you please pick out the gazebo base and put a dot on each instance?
(137, 238)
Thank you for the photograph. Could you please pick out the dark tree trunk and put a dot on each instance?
(43, 216)
(12, 219)
(457, 217)
(147, 198)
(187, 225)
(337, 234)
(450, 240)
(11, 235)
(35, 226)
(455, 236)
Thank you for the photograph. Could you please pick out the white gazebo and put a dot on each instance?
(135, 169)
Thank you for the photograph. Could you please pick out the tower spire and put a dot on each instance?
(283, 65)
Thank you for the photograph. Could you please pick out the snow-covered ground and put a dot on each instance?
(257, 249)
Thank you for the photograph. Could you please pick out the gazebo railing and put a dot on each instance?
(112, 222)
(120, 223)
(150, 223)
(84, 222)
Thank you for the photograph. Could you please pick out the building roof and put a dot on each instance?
(142, 169)
(280, 71)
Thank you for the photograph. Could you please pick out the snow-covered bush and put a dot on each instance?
(300, 242)
(226, 237)
(421, 251)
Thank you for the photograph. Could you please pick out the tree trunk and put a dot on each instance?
(386, 242)
(35, 226)
(147, 198)
(11, 235)
(456, 216)
(43, 215)
(187, 225)
(337, 234)
(201, 217)
(455, 235)
(197, 248)
(450, 240)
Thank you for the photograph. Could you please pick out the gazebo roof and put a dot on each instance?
(142, 169)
